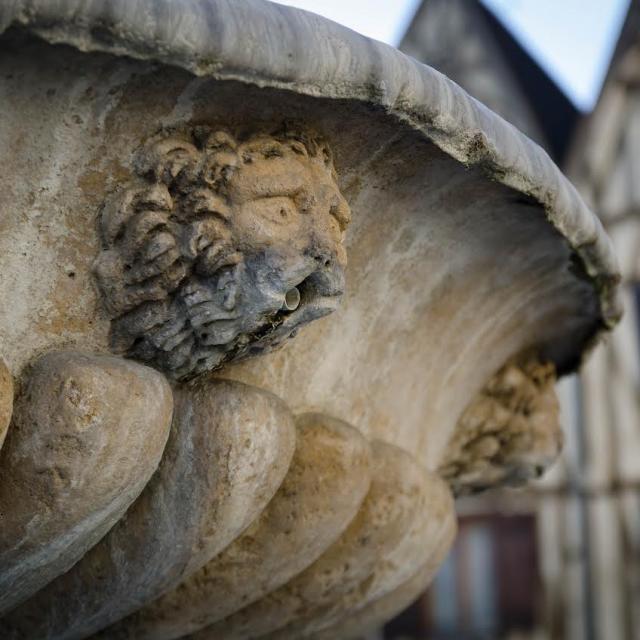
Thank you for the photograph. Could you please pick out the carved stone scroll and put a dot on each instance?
(229, 449)
(407, 517)
(366, 620)
(87, 434)
(327, 481)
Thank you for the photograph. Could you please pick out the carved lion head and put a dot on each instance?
(221, 248)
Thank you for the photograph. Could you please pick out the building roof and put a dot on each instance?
(554, 113)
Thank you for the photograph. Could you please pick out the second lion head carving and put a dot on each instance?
(221, 248)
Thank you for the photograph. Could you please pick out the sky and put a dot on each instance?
(571, 39)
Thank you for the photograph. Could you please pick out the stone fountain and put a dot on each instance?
(272, 294)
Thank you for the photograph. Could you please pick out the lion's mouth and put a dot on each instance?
(316, 296)
(308, 310)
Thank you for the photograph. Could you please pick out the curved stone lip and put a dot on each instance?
(270, 45)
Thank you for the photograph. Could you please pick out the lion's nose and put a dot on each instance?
(324, 259)
(327, 279)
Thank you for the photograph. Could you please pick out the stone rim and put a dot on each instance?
(299, 51)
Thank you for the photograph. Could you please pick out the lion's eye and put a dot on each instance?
(279, 210)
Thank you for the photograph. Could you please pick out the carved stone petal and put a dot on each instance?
(6, 400)
(229, 449)
(366, 620)
(425, 527)
(406, 509)
(328, 479)
(88, 432)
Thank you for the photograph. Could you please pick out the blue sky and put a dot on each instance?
(571, 39)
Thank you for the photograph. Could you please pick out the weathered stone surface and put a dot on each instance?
(6, 400)
(428, 529)
(221, 247)
(510, 433)
(467, 246)
(368, 619)
(442, 260)
(330, 61)
(403, 519)
(87, 433)
(328, 479)
(229, 449)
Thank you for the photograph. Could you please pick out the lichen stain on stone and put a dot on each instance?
(131, 97)
(93, 181)
(54, 317)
